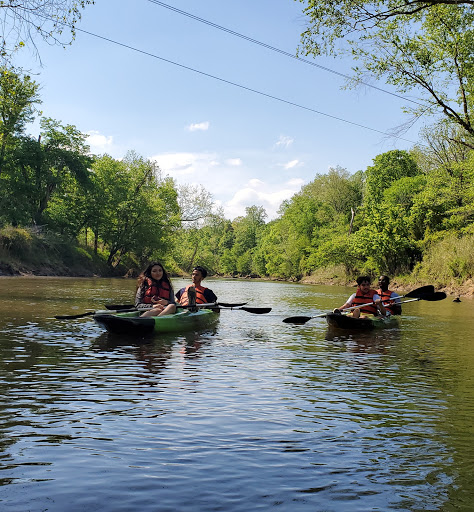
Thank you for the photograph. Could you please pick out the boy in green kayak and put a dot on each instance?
(202, 295)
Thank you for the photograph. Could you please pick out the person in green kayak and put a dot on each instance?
(364, 295)
(155, 292)
(202, 295)
(390, 299)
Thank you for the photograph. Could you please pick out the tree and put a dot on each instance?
(388, 168)
(22, 20)
(419, 47)
(18, 97)
(46, 163)
(131, 208)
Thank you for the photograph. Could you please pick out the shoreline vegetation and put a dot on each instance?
(67, 212)
(79, 263)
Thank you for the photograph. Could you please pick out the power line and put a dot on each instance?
(267, 95)
(278, 50)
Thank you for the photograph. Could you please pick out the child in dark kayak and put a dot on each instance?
(366, 296)
(155, 292)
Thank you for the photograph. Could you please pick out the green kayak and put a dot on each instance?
(131, 323)
(366, 322)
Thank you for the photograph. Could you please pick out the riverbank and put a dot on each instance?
(323, 277)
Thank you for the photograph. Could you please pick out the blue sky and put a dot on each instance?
(244, 148)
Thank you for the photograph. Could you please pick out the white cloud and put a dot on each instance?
(195, 127)
(179, 164)
(235, 162)
(255, 183)
(284, 142)
(98, 143)
(270, 197)
(231, 186)
(292, 164)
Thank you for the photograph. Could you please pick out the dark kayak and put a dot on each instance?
(364, 322)
(132, 323)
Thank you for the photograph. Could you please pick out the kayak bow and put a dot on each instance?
(364, 322)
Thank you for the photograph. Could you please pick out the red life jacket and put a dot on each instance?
(385, 296)
(365, 299)
(200, 299)
(155, 289)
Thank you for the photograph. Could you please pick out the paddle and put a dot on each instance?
(90, 313)
(224, 306)
(422, 293)
(130, 306)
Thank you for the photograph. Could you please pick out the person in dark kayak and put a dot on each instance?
(390, 299)
(155, 292)
(364, 295)
(202, 295)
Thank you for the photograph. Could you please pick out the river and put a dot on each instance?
(253, 415)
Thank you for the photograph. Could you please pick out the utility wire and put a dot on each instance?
(267, 95)
(278, 50)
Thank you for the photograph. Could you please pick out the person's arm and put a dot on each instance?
(210, 296)
(347, 304)
(171, 299)
(139, 304)
(378, 302)
(396, 306)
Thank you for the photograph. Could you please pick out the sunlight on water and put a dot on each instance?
(254, 414)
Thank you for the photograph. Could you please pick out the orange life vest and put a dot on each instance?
(365, 299)
(200, 299)
(385, 296)
(155, 289)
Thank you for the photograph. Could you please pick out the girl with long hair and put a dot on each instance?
(155, 292)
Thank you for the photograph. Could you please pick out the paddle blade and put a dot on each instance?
(257, 311)
(419, 292)
(297, 319)
(70, 317)
(433, 296)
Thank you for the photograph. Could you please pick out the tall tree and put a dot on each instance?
(18, 100)
(133, 210)
(46, 163)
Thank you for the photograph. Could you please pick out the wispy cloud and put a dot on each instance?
(292, 164)
(284, 141)
(179, 164)
(196, 127)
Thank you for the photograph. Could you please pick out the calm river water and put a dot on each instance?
(255, 415)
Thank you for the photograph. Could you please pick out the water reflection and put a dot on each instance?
(253, 415)
(370, 341)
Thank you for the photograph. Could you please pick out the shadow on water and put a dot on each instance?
(371, 341)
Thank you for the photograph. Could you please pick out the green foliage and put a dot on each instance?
(17, 241)
(388, 168)
(449, 259)
(423, 47)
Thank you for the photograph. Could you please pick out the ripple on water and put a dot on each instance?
(254, 415)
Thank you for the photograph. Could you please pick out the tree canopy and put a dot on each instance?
(420, 48)
(21, 21)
